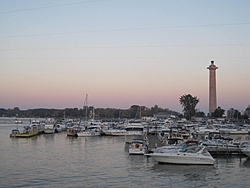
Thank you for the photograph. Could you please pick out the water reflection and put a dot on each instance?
(183, 169)
(245, 162)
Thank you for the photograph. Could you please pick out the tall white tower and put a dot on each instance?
(212, 87)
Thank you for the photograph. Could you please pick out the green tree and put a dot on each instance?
(230, 113)
(188, 102)
(237, 114)
(247, 111)
(219, 112)
(199, 114)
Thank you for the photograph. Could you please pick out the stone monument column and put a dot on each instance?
(212, 87)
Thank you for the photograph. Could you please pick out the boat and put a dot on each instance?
(188, 155)
(134, 131)
(222, 146)
(137, 147)
(90, 132)
(49, 129)
(28, 131)
(18, 121)
(58, 128)
(14, 132)
(207, 129)
(41, 127)
(246, 148)
(107, 132)
(246, 151)
(72, 131)
(114, 132)
(118, 132)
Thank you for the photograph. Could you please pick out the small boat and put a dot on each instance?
(246, 151)
(58, 128)
(72, 131)
(134, 131)
(137, 147)
(190, 155)
(90, 131)
(41, 127)
(107, 132)
(114, 131)
(14, 132)
(28, 131)
(18, 121)
(49, 129)
(118, 132)
(222, 146)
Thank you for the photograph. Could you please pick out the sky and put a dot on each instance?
(121, 53)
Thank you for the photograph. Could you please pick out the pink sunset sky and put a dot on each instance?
(53, 53)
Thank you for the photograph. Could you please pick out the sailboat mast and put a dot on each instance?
(86, 107)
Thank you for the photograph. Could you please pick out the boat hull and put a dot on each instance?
(88, 134)
(118, 133)
(139, 151)
(246, 151)
(182, 159)
(26, 135)
(49, 131)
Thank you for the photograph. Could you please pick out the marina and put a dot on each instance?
(104, 161)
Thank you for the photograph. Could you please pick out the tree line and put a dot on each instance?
(135, 111)
(187, 101)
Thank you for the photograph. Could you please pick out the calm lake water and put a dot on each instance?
(60, 161)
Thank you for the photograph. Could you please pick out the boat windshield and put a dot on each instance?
(191, 149)
(134, 129)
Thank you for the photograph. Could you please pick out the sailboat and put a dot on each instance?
(92, 130)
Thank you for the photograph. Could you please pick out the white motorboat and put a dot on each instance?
(134, 131)
(49, 129)
(246, 151)
(114, 132)
(118, 132)
(90, 132)
(207, 129)
(194, 154)
(222, 146)
(137, 147)
(58, 128)
(107, 132)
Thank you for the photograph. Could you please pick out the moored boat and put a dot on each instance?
(134, 131)
(90, 132)
(58, 128)
(49, 129)
(194, 154)
(14, 132)
(28, 131)
(118, 132)
(246, 148)
(72, 131)
(137, 147)
(246, 151)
